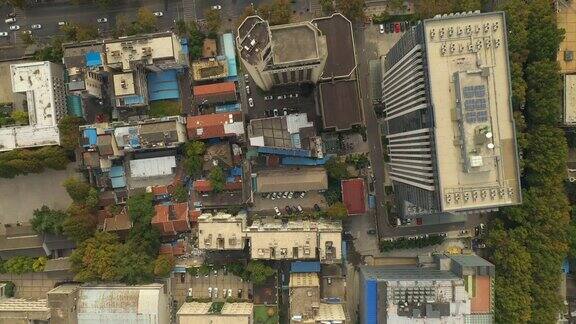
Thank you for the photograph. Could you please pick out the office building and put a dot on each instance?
(449, 124)
(282, 54)
(212, 313)
(452, 289)
(221, 231)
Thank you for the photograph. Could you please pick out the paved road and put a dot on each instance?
(235, 8)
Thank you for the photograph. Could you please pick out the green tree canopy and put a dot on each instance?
(180, 193)
(69, 132)
(140, 208)
(259, 272)
(77, 189)
(163, 265)
(80, 224)
(213, 20)
(337, 211)
(146, 20)
(217, 178)
(46, 220)
(352, 9)
(336, 169)
(96, 258)
(278, 12)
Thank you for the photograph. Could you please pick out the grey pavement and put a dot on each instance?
(25, 193)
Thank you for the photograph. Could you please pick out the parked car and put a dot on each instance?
(229, 293)
(14, 27)
(371, 231)
(250, 102)
(189, 292)
(285, 112)
(102, 20)
(278, 213)
(274, 195)
(158, 14)
(239, 293)
(3, 34)
(215, 292)
(302, 194)
(397, 27)
(268, 97)
(285, 195)
(275, 112)
(381, 29)
(402, 26)
(36, 26)
(290, 195)
(247, 89)
(288, 209)
(10, 20)
(300, 209)
(216, 7)
(210, 292)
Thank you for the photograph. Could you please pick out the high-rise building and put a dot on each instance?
(282, 54)
(449, 124)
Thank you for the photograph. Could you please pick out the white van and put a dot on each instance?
(10, 20)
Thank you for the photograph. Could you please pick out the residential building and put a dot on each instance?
(153, 133)
(227, 44)
(449, 124)
(295, 240)
(354, 196)
(153, 167)
(129, 59)
(291, 179)
(281, 54)
(291, 135)
(171, 219)
(119, 223)
(211, 313)
(120, 304)
(43, 84)
(210, 68)
(453, 289)
(23, 311)
(221, 231)
(22, 240)
(84, 67)
(305, 302)
(214, 93)
(215, 125)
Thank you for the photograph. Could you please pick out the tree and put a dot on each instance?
(80, 224)
(544, 104)
(163, 265)
(146, 20)
(248, 11)
(69, 132)
(327, 6)
(77, 189)
(259, 272)
(134, 266)
(193, 165)
(141, 208)
(28, 39)
(277, 13)
(543, 36)
(46, 220)
(213, 20)
(336, 169)
(337, 211)
(217, 178)
(145, 236)
(96, 258)
(75, 32)
(92, 199)
(194, 148)
(180, 193)
(39, 264)
(52, 52)
(19, 265)
(352, 9)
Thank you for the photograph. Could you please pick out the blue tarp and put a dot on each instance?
(117, 171)
(236, 172)
(91, 135)
(302, 266)
(163, 85)
(228, 108)
(93, 59)
(230, 52)
(118, 182)
(294, 160)
(284, 151)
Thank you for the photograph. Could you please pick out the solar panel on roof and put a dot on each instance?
(480, 90)
(469, 104)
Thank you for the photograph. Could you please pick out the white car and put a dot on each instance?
(216, 7)
(3, 34)
(14, 27)
(247, 89)
(215, 292)
(189, 292)
(36, 26)
(210, 292)
(10, 20)
(62, 23)
(158, 14)
(250, 102)
(268, 97)
(102, 20)
(381, 29)
(278, 213)
(229, 293)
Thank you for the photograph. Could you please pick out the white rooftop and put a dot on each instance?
(142, 48)
(152, 167)
(36, 80)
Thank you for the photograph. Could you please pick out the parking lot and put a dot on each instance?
(280, 100)
(263, 204)
(217, 283)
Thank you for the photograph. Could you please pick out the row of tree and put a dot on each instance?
(529, 242)
(24, 161)
(406, 243)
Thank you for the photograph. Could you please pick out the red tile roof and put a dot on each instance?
(171, 219)
(159, 190)
(176, 249)
(194, 214)
(214, 89)
(481, 302)
(210, 126)
(354, 196)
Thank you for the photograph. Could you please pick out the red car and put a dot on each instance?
(397, 27)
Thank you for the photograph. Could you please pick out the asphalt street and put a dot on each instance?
(235, 8)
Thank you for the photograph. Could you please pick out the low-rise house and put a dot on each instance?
(305, 301)
(119, 223)
(354, 196)
(215, 125)
(215, 93)
(171, 219)
(24, 311)
(211, 313)
(221, 231)
(24, 241)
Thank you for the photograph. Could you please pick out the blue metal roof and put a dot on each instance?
(118, 182)
(91, 135)
(93, 59)
(228, 108)
(117, 171)
(284, 151)
(236, 171)
(163, 85)
(295, 160)
(230, 53)
(305, 266)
